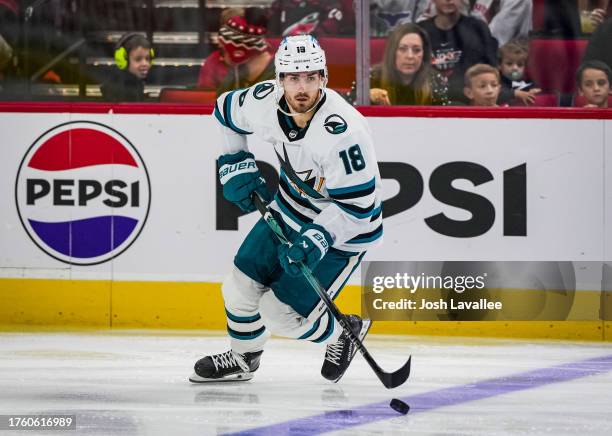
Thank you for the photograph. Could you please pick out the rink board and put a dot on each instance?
(168, 274)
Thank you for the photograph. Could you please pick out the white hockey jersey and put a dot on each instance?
(329, 173)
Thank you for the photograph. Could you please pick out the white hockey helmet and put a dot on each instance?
(297, 54)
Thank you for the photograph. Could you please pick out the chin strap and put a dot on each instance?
(289, 114)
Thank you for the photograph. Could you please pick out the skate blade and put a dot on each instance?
(365, 328)
(194, 378)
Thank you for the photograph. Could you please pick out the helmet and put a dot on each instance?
(297, 54)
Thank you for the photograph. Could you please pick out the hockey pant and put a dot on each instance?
(260, 298)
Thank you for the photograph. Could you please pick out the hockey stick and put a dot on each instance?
(389, 379)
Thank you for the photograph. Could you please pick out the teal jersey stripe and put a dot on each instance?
(314, 328)
(242, 319)
(367, 237)
(353, 270)
(227, 110)
(328, 330)
(245, 336)
(353, 191)
(356, 211)
(218, 115)
(288, 210)
(376, 213)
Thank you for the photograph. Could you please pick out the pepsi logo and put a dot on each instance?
(83, 193)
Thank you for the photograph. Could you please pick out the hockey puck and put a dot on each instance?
(399, 406)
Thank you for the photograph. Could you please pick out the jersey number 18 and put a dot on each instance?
(352, 159)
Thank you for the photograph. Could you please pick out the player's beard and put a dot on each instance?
(302, 102)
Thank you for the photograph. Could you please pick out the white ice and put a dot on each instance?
(135, 383)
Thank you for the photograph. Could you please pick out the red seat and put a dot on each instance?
(546, 100)
(553, 63)
(169, 95)
(541, 100)
(580, 101)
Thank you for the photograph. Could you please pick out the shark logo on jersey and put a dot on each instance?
(242, 96)
(262, 90)
(335, 124)
(305, 185)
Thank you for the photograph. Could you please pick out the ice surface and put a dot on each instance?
(135, 383)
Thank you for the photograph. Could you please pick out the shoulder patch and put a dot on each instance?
(262, 90)
(335, 124)
(242, 96)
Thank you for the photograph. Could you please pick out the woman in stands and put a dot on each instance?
(406, 77)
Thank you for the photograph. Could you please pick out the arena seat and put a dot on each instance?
(170, 95)
(580, 101)
(546, 100)
(541, 100)
(553, 63)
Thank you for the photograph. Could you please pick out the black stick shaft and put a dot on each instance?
(390, 380)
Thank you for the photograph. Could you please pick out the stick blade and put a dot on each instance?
(397, 378)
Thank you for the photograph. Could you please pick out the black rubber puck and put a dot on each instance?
(399, 406)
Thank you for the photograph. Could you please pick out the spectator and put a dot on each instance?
(512, 58)
(592, 13)
(600, 45)
(562, 18)
(482, 85)
(406, 76)
(386, 15)
(593, 80)
(133, 58)
(430, 10)
(317, 17)
(217, 64)
(244, 58)
(507, 19)
(458, 42)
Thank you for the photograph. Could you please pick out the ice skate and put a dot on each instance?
(228, 366)
(338, 356)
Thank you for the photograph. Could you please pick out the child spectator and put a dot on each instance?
(458, 42)
(243, 58)
(133, 58)
(593, 80)
(512, 59)
(482, 85)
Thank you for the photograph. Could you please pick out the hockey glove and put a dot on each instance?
(309, 248)
(240, 177)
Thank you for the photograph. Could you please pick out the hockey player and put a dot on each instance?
(328, 202)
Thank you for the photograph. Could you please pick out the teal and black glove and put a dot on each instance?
(309, 248)
(240, 177)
